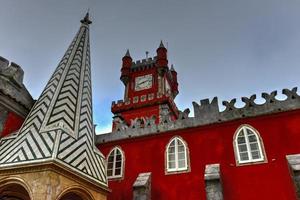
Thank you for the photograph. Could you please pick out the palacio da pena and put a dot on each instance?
(49, 149)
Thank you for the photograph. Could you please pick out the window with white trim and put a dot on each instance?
(115, 164)
(176, 154)
(248, 145)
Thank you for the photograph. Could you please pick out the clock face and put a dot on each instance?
(143, 82)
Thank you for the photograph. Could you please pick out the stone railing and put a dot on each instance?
(207, 112)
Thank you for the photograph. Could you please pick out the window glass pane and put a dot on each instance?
(249, 132)
(181, 163)
(241, 140)
(252, 138)
(111, 157)
(171, 157)
(255, 154)
(171, 165)
(172, 143)
(171, 149)
(254, 146)
(109, 165)
(181, 155)
(181, 148)
(242, 147)
(109, 172)
(118, 171)
(241, 133)
(244, 156)
(119, 157)
(118, 164)
(118, 152)
(179, 142)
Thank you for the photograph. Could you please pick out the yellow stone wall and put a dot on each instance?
(51, 184)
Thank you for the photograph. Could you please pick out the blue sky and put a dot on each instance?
(228, 49)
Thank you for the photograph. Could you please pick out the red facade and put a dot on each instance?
(214, 144)
(12, 123)
(210, 143)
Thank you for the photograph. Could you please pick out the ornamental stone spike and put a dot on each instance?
(59, 127)
(127, 53)
(161, 45)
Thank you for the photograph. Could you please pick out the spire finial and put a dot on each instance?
(86, 20)
(172, 68)
(161, 45)
(127, 53)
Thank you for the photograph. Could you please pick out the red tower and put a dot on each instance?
(150, 89)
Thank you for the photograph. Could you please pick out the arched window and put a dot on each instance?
(115, 162)
(248, 145)
(176, 155)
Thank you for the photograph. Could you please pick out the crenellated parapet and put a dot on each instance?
(13, 93)
(208, 112)
(143, 64)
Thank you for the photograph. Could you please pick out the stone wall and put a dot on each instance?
(13, 93)
(294, 164)
(213, 184)
(142, 187)
(50, 183)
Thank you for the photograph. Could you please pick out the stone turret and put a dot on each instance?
(162, 60)
(125, 70)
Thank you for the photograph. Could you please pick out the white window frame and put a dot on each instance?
(259, 144)
(114, 151)
(177, 169)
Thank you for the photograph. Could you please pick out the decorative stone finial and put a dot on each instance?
(172, 68)
(161, 45)
(127, 53)
(86, 20)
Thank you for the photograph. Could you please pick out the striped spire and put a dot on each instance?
(60, 125)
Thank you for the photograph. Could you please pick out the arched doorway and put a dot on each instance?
(71, 196)
(13, 191)
(75, 194)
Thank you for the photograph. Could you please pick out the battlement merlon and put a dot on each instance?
(207, 112)
(13, 93)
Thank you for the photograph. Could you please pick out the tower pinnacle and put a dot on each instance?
(86, 20)
(127, 53)
(161, 45)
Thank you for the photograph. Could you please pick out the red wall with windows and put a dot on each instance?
(214, 144)
(13, 122)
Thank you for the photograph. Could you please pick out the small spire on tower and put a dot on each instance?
(86, 20)
(127, 53)
(172, 68)
(161, 45)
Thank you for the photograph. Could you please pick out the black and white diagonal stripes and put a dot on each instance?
(81, 155)
(59, 127)
(64, 108)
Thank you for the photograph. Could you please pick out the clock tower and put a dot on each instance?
(150, 89)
